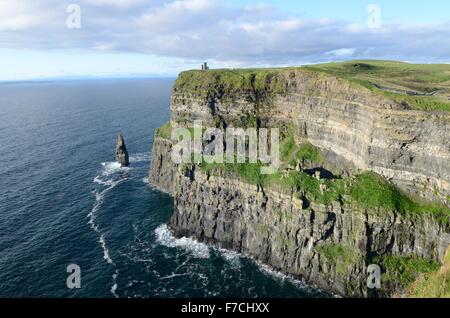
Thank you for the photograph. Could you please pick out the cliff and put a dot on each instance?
(366, 129)
(328, 238)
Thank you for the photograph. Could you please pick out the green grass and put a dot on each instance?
(292, 154)
(298, 181)
(165, 131)
(427, 103)
(338, 255)
(420, 77)
(404, 269)
(373, 191)
(423, 78)
(308, 152)
(287, 147)
(257, 84)
(433, 284)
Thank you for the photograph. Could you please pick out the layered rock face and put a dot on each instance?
(356, 130)
(411, 148)
(163, 171)
(276, 229)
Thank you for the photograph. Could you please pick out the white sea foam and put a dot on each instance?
(283, 277)
(105, 249)
(107, 180)
(232, 257)
(200, 250)
(114, 285)
(112, 167)
(270, 271)
(146, 180)
(98, 180)
(165, 237)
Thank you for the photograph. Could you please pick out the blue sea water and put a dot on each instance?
(64, 201)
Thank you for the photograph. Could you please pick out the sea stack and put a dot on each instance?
(121, 152)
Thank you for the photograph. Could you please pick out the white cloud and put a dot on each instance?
(21, 15)
(342, 53)
(191, 5)
(212, 30)
(115, 3)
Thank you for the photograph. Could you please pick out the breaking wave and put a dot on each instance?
(110, 168)
(165, 237)
(200, 250)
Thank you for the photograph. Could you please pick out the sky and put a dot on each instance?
(41, 39)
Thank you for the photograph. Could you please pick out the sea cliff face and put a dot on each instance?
(329, 245)
(163, 171)
(276, 229)
(367, 130)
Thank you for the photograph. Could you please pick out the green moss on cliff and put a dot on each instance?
(165, 131)
(308, 152)
(338, 255)
(432, 284)
(293, 154)
(404, 270)
(249, 172)
(373, 191)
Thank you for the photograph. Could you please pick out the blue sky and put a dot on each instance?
(162, 38)
(398, 11)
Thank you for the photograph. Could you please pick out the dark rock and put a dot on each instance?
(121, 152)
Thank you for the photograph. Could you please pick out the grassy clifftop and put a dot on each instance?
(420, 86)
(258, 84)
(424, 78)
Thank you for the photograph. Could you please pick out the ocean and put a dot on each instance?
(65, 201)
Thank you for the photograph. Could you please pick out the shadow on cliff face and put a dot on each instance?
(322, 172)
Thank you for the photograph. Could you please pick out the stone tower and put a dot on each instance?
(205, 66)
